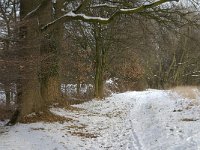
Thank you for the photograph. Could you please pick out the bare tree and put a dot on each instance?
(8, 21)
(39, 84)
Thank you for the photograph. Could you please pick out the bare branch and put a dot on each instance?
(104, 5)
(37, 9)
(73, 16)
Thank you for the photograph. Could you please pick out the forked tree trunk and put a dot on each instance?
(29, 97)
(39, 83)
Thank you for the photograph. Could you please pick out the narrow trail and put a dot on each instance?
(121, 134)
(137, 143)
(147, 120)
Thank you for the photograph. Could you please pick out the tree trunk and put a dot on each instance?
(7, 83)
(97, 68)
(99, 75)
(31, 100)
(39, 83)
(8, 97)
(50, 48)
(28, 87)
(50, 89)
(100, 66)
(78, 88)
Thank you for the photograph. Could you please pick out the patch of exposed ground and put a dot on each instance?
(45, 116)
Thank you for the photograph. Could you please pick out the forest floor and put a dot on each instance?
(146, 120)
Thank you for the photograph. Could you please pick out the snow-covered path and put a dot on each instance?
(148, 120)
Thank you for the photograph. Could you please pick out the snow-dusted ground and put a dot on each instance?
(148, 120)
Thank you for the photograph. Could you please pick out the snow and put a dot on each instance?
(146, 120)
(104, 5)
(72, 14)
(2, 96)
(54, 1)
(71, 89)
(128, 10)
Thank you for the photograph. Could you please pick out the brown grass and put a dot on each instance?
(46, 116)
(67, 104)
(76, 101)
(189, 119)
(82, 126)
(190, 92)
(82, 134)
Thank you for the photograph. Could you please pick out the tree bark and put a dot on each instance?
(99, 66)
(8, 97)
(78, 87)
(28, 85)
(51, 47)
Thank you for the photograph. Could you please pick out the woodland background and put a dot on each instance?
(44, 59)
